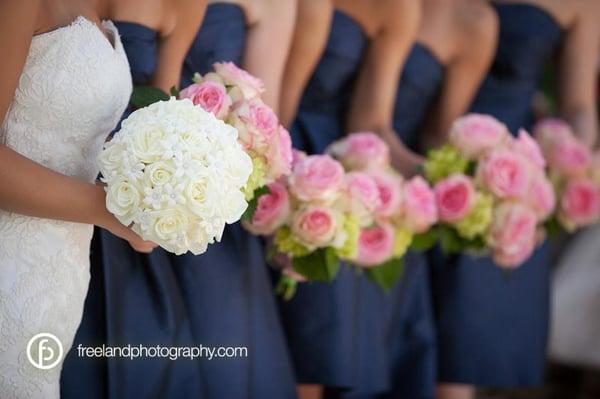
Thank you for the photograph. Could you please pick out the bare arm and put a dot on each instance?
(372, 106)
(267, 46)
(174, 45)
(313, 23)
(464, 73)
(577, 79)
(26, 187)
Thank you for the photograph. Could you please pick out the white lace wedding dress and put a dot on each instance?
(73, 89)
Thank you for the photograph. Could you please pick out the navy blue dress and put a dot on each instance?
(221, 298)
(335, 337)
(411, 330)
(492, 327)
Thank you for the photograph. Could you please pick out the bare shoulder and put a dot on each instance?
(477, 24)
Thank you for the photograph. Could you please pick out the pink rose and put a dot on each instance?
(419, 205)
(579, 203)
(314, 226)
(542, 197)
(569, 157)
(211, 96)
(317, 178)
(297, 156)
(375, 245)
(512, 235)
(249, 85)
(280, 156)
(389, 186)
(272, 210)
(455, 197)
(526, 146)
(474, 134)
(363, 189)
(550, 131)
(361, 151)
(506, 174)
(256, 123)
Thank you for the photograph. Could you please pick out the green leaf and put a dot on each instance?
(320, 265)
(424, 241)
(253, 204)
(174, 91)
(387, 274)
(553, 227)
(143, 96)
(450, 241)
(286, 287)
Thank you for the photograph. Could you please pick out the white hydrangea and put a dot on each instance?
(175, 173)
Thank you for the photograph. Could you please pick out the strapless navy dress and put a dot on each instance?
(492, 327)
(325, 332)
(221, 298)
(411, 330)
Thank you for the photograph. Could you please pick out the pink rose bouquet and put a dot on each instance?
(234, 96)
(392, 213)
(574, 174)
(486, 182)
(312, 218)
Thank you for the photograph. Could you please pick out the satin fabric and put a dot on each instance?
(221, 298)
(492, 326)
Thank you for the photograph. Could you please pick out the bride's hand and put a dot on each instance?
(108, 221)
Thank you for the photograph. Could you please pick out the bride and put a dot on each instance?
(64, 83)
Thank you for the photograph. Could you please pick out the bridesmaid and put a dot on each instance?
(454, 49)
(493, 329)
(345, 83)
(134, 296)
(227, 291)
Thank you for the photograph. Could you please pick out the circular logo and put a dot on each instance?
(44, 351)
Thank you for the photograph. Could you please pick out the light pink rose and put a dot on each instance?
(317, 178)
(474, 134)
(272, 210)
(249, 85)
(280, 156)
(389, 186)
(455, 197)
(375, 245)
(419, 205)
(512, 235)
(525, 145)
(569, 157)
(550, 131)
(505, 173)
(297, 156)
(361, 197)
(211, 96)
(579, 203)
(315, 226)
(256, 123)
(361, 151)
(516, 256)
(542, 197)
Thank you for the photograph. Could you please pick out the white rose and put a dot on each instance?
(159, 173)
(123, 201)
(170, 224)
(146, 143)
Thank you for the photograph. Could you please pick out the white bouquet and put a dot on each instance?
(175, 174)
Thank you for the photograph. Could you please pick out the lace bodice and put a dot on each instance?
(73, 89)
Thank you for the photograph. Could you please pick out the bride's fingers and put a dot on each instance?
(143, 246)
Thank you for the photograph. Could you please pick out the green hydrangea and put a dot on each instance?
(478, 220)
(284, 240)
(257, 178)
(402, 240)
(443, 162)
(351, 227)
